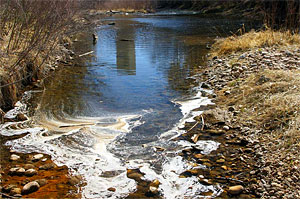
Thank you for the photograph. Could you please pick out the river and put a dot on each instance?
(117, 108)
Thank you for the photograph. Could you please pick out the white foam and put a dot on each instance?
(84, 151)
(187, 106)
(171, 184)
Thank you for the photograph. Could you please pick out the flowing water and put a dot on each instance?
(110, 112)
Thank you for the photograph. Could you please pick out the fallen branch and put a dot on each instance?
(84, 54)
(228, 179)
(74, 125)
(6, 195)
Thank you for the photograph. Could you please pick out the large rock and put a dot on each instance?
(215, 116)
(30, 187)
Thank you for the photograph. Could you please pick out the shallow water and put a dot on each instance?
(109, 112)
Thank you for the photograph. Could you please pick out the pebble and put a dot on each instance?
(220, 161)
(74, 180)
(42, 182)
(135, 176)
(30, 172)
(47, 166)
(226, 128)
(8, 188)
(153, 189)
(15, 191)
(29, 166)
(14, 157)
(235, 190)
(227, 92)
(37, 157)
(112, 189)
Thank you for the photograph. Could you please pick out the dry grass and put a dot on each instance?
(254, 39)
(270, 100)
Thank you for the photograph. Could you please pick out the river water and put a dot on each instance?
(113, 110)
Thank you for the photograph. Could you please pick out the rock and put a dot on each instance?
(231, 109)
(95, 37)
(8, 188)
(19, 171)
(37, 157)
(30, 172)
(215, 116)
(226, 128)
(30, 187)
(12, 171)
(47, 166)
(21, 117)
(42, 182)
(153, 189)
(29, 166)
(155, 183)
(111, 189)
(227, 93)
(158, 148)
(198, 156)
(220, 161)
(135, 176)
(235, 190)
(2, 113)
(14, 157)
(74, 180)
(15, 191)
(206, 181)
(112, 23)
(205, 85)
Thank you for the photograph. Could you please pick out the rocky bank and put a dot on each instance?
(256, 158)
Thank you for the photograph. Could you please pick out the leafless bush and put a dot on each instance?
(282, 14)
(29, 28)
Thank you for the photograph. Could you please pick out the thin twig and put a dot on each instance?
(193, 126)
(202, 119)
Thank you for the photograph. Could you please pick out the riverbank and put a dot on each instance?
(255, 116)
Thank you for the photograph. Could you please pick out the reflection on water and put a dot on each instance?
(125, 47)
(98, 116)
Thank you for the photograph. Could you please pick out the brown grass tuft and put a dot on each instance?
(272, 104)
(254, 39)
